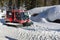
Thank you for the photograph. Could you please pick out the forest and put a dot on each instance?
(29, 4)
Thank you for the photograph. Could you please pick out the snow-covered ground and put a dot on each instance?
(41, 30)
(7, 32)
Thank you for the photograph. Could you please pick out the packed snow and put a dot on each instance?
(40, 30)
(38, 35)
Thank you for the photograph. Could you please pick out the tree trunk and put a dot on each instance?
(44, 2)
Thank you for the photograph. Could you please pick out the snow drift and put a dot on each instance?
(47, 13)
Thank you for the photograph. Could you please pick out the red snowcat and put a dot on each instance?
(18, 17)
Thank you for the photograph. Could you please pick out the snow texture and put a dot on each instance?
(40, 31)
(38, 35)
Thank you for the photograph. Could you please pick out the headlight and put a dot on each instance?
(10, 13)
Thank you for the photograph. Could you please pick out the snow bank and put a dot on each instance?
(41, 14)
(38, 9)
(47, 13)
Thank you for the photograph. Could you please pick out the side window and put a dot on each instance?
(18, 16)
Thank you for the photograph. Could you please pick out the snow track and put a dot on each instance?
(40, 31)
(38, 35)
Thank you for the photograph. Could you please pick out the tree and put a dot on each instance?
(10, 4)
(40, 3)
(2, 4)
(18, 4)
(53, 2)
(44, 2)
(59, 1)
(29, 4)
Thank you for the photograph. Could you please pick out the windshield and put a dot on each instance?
(22, 15)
